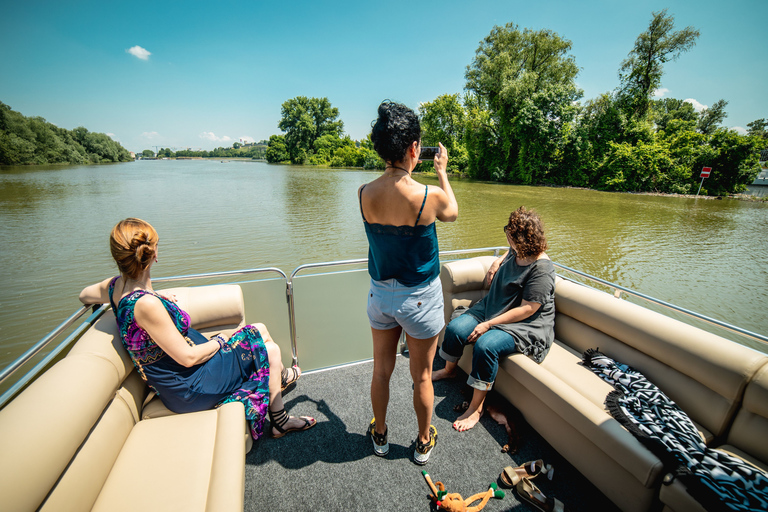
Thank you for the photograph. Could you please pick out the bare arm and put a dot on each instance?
(96, 293)
(448, 208)
(494, 268)
(517, 314)
(152, 316)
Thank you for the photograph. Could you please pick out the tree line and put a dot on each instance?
(522, 120)
(33, 140)
(255, 152)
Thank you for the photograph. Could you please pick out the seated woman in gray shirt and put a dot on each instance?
(517, 315)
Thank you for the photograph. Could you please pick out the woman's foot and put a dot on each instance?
(289, 376)
(468, 420)
(443, 373)
(283, 424)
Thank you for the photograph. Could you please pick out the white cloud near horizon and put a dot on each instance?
(660, 92)
(212, 137)
(698, 107)
(149, 135)
(740, 130)
(139, 52)
(246, 139)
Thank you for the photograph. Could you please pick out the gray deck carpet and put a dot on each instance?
(332, 466)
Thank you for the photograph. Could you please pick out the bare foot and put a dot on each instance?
(442, 374)
(467, 420)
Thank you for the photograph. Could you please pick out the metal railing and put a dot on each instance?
(618, 290)
(98, 312)
(43, 343)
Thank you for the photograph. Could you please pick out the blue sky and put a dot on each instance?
(206, 74)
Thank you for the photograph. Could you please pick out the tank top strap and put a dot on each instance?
(360, 200)
(418, 217)
(111, 290)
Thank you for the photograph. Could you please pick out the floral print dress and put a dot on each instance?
(237, 372)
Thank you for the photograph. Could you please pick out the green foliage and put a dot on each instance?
(33, 140)
(276, 150)
(711, 117)
(444, 120)
(641, 71)
(148, 153)
(521, 94)
(304, 120)
(757, 128)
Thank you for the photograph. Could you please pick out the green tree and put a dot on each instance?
(641, 71)
(757, 128)
(521, 94)
(304, 120)
(276, 150)
(148, 153)
(667, 109)
(711, 117)
(444, 120)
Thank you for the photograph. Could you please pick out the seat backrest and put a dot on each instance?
(463, 282)
(703, 373)
(750, 428)
(61, 435)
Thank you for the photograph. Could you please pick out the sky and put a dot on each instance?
(202, 75)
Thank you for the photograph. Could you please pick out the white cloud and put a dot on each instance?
(658, 93)
(212, 137)
(740, 130)
(139, 52)
(111, 134)
(698, 107)
(150, 135)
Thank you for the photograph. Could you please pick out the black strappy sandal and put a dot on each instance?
(279, 418)
(289, 376)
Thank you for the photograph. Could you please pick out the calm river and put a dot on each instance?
(710, 256)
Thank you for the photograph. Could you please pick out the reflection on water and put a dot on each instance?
(705, 255)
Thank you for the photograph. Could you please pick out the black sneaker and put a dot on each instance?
(380, 443)
(423, 451)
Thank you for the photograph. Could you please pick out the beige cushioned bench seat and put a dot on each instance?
(720, 384)
(76, 438)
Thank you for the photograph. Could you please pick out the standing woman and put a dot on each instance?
(187, 371)
(517, 314)
(399, 215)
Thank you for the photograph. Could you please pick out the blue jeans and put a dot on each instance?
(489, 348)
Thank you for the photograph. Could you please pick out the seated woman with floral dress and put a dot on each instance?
(517, 314)
(189, 372)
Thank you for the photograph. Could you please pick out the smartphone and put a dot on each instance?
(428, 153)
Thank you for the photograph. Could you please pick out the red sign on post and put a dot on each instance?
(705, 172)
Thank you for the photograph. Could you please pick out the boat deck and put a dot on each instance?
(332, 466)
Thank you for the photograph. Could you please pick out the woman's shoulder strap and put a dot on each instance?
(423, 202)
(360, 200)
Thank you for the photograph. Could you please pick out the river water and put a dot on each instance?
(710, 256)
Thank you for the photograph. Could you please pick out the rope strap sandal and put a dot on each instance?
(278, 419)
(531, 469)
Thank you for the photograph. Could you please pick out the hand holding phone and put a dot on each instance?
(428, 153)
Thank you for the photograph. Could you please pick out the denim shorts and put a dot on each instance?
(417, 309)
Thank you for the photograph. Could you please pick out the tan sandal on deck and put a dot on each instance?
(511, 476)
(532, 495)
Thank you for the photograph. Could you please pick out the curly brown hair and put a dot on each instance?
(526, 230)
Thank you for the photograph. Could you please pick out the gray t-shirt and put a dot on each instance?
(513, 283)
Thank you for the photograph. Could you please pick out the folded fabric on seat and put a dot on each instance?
(719, 481)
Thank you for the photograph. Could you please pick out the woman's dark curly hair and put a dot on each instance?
(527, 231)
(396, 128)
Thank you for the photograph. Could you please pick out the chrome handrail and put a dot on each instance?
(289, 291)
(47, 339)
(618, 290)
(40, 345)
(23, 381)
(621, 289)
